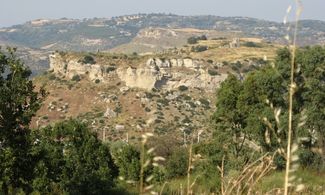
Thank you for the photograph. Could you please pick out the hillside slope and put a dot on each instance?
(121, 95)
(107, 33)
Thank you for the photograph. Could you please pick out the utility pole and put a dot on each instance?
(198, 135)
(104, 134)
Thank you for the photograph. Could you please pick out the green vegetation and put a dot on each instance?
(199, 48)
(251, 44)
(97, 81)
(210, 61)
(18, 104)
(244, 144)
(255, 110)
(66, 33)
(76, 78)
(110, 69)
(73, 160)
(182, 88)
(213, 72)
(194, 40)
(177, 164)
(127, 159)
(87, 59)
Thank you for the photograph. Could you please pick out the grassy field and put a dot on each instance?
(270, 184)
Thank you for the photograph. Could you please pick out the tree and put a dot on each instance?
(250, 109)
(312, 62)
(73, 160)
(227, 118)
(177, 164)
(18, 104)
(127, 158)
(195, 39)
(192, 40)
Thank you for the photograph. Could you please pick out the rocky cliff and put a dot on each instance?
(70, 67)
(151, 73)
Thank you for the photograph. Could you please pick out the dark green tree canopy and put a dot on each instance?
(18, 104)
(74, 160)
(250, 109)
(127, 158)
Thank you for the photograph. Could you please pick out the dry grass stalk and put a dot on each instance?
(145, 163)
(245, 182)
(292, 89)
(162, 188)
(221, 169)
(142, 158)
(189, 190)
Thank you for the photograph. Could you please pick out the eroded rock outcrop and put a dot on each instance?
(71, 67)
(155, 73)
(170, 74)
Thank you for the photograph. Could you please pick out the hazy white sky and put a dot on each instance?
(19, 11)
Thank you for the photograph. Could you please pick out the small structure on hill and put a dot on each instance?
(235, 43)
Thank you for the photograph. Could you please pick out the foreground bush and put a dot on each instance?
(72, 160)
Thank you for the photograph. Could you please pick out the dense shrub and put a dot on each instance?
(225, 63)
(127, 159)
(110, 69)
(164, 102)
(251, 44)
(177, 164)
(182, 88)
(212, 72)
(204, 102)
(210, 61)
(310, 159)
(76, 78)
(219, 38)
(199, 48)
(187, 97)
(194, 39)
(87, 59)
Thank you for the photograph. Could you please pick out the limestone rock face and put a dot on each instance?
(141, 77)
(70, 68)
(57, 64)
(155, 73)
(160, 73)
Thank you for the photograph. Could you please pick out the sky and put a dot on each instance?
(19, 11)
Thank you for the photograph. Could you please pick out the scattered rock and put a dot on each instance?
(139, 127)
(124, 89)
(110, 113)
(119, 127)
(173, 96)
